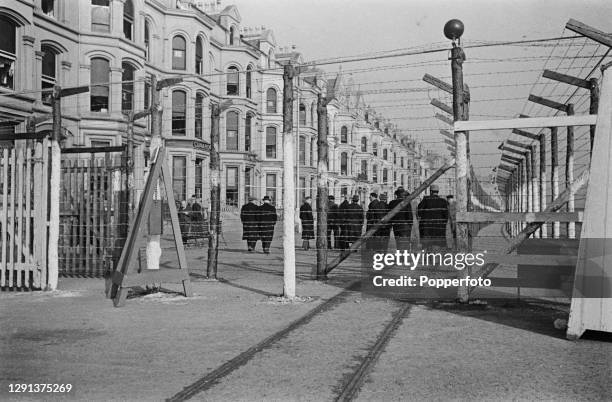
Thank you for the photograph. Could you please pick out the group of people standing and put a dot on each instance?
(258, 223)
(345, 221)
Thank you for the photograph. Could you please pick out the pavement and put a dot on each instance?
(237, 340)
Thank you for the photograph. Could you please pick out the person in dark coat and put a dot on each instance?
(354, 220)
(376, 211)
(307, 223)
(341, 223)
(249, 216)
(332, 223)
(401, 223)
(385, 231)
(267, 220)
(433, 216)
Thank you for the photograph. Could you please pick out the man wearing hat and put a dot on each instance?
(354, 221)
(249, 216)
(342, 223)
(267, 220)
(332, 223)
(401, 223)
(307, 223)
(433, 216)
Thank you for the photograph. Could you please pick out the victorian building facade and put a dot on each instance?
(116, 46)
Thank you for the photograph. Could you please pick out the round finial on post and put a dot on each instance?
(453, 29)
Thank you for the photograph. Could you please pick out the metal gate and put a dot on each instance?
(24, 185)
(93, 212)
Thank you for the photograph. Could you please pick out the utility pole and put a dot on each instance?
(54, 189)
(288, 184)
(453, 31)
(215, 193)
(322, 190)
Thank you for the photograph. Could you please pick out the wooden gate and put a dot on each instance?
(24, 182)
(93, 211)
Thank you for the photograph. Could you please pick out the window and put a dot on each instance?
(232, 32)
(199, 167)
(199, 54)
(8, 54)
(233, 81)
(178, 53)
(100, 15)
(48, 8)
(49, 67)
(367, 117)
(385, 154)
(343, 164)
(231, 131)
(179, 117)
(271, 186)
(247, 132)
(394, 179)
(128, 19)
(248, 82)
(147, 39)
(364, 144)
(248, 184)
(271, 100)
(271, 142)
(364, 169)
(302, 150)
(199, 114)
(375, 149)
(343, 135)
(231, 186)
(376, 125)
(375, 173)
(302, 114)
(394, 158)
(179, 177)
(344, 191)
(402, 162)
(127, 87)
(402, 182)
(385, 176)
(100, 74)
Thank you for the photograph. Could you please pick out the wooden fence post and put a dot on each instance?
(215, 193)
(594, 105)
(542, 182)
(322, 190)
(569, 172)
(554, 174)
(54, 190)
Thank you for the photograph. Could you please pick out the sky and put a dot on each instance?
(500, 78)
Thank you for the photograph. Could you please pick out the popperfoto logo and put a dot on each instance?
(421, 274)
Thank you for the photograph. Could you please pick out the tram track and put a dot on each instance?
(209, 380)
(351, 385)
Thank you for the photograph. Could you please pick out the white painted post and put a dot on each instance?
(288, 185)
